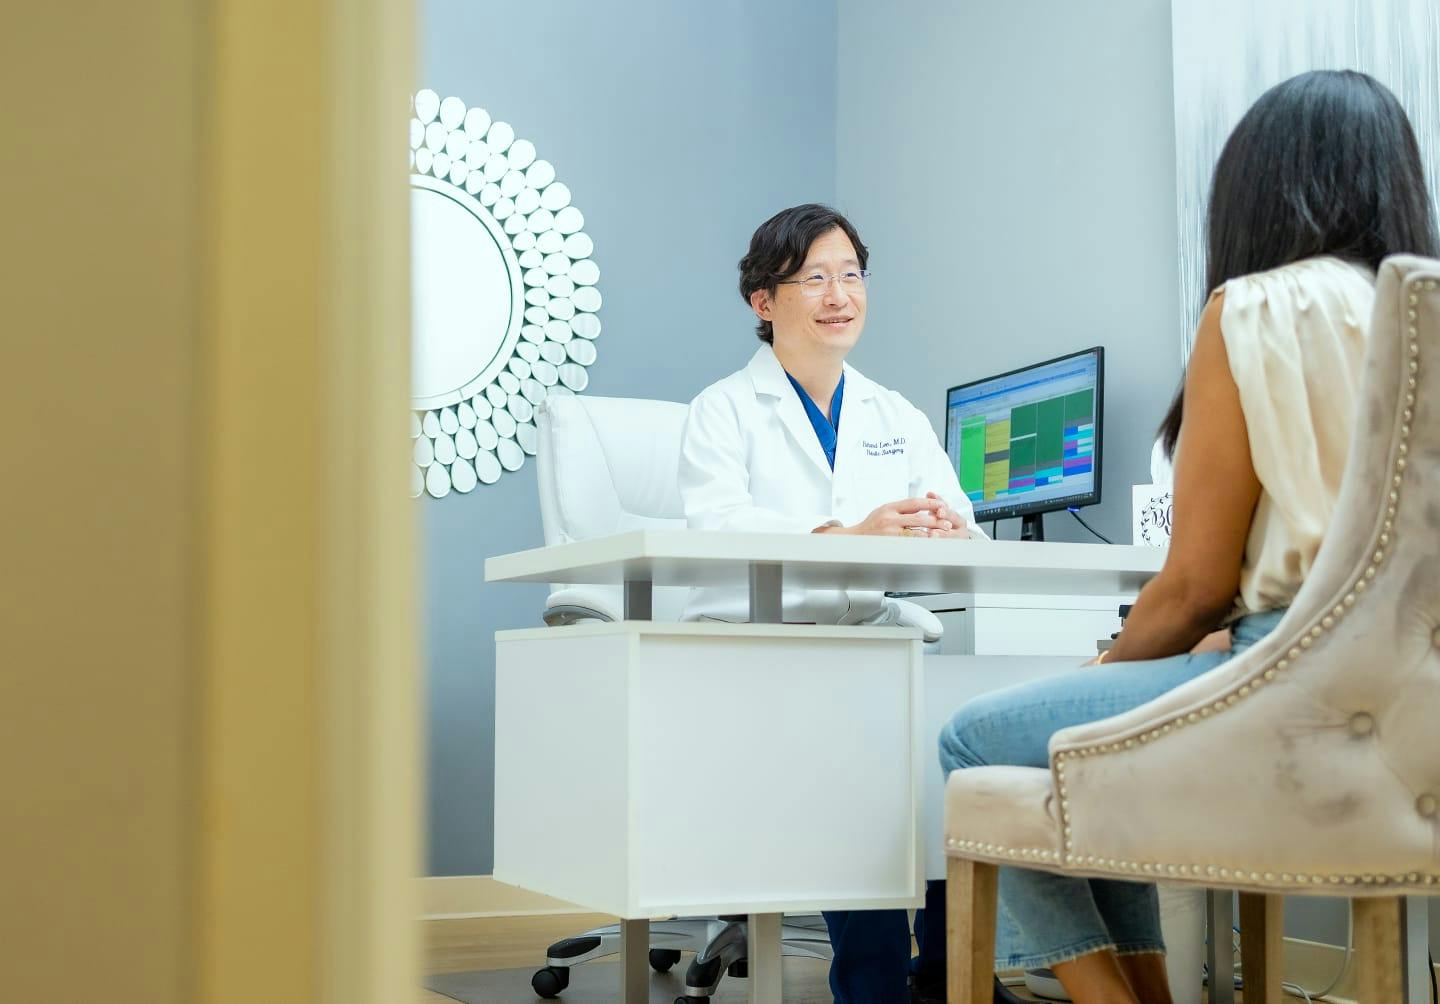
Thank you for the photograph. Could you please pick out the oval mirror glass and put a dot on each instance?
(581, 351)
(511, 456)
(466, 294)
(485, 436)
(585, 272)
(586, 298)
(465, 444)
(462, 476)
(539, 174)
(437, 481)
(427, 105)
(586, 326)
(529, 438)
(445, 448)
(487, 468)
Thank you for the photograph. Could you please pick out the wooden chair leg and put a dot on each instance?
(1379, 969)
(970, 931)
(1262, 931)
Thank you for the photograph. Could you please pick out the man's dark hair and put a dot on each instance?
(1323, 164)
(778, 249)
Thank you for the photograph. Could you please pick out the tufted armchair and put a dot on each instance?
(1309, 764)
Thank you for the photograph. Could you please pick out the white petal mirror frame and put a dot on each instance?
(504, 298)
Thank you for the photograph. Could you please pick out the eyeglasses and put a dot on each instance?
(815, 285)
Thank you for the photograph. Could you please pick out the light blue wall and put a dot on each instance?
(1012, 167)
(678, 127)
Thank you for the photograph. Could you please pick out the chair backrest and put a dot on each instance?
(1372, 599)
(608, 464)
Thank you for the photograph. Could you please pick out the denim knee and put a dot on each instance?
(955, 752)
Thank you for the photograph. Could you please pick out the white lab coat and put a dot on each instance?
(750, 461)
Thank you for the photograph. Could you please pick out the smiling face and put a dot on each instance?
(828, 324)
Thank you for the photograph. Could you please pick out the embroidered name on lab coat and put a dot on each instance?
(884, 447)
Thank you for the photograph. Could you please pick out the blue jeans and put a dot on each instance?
(1043, 918)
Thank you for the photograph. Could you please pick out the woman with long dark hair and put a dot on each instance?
(1317, 184)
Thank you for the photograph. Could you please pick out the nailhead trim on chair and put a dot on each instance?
(1014, 853)
(1071, 860)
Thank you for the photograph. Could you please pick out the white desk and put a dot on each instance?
(828, 561)
(613, 677)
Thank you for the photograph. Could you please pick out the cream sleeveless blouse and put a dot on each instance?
(1296, 340)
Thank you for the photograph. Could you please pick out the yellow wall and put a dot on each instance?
(98, 288)
(207, 677)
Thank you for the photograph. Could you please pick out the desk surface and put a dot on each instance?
(826, 561)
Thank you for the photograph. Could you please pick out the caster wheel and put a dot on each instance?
(550, 981)
(662, 959)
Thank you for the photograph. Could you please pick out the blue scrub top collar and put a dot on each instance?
(827, 429)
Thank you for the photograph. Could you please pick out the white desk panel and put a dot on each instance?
(825, 561)
(645, 769)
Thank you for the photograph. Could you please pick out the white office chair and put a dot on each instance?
(604, 466)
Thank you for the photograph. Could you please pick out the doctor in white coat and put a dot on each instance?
(799, 441)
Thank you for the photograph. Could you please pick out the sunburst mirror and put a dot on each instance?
(504, 295)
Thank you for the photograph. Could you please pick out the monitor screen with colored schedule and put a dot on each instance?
(1028, 441)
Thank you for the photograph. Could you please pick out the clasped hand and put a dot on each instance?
(927, 517)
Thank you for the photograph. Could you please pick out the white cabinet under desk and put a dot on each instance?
(648, 769)
(1023, 624)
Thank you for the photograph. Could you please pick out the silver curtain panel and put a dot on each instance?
(1229, 52)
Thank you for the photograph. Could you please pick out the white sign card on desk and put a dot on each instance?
(1151, 512)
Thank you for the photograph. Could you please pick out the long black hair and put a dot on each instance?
(778, 248)
(1323, 164)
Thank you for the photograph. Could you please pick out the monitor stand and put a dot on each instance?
(1032, 527)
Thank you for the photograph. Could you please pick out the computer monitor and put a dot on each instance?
(1028, 442)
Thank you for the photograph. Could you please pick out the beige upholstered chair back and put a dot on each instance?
(1328, 731)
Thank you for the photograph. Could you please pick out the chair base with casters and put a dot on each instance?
(718, 944)
(667, 940)
(726, 952)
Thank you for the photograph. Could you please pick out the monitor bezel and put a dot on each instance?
(1047, 505)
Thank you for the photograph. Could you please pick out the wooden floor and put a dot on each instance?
(457, 946)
